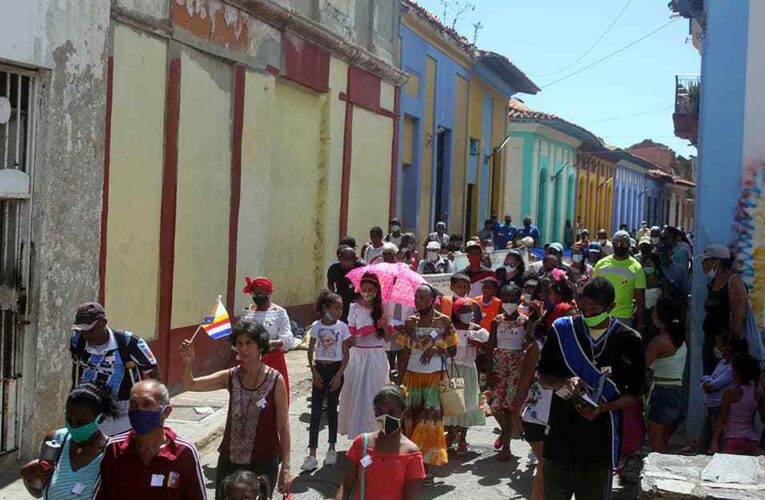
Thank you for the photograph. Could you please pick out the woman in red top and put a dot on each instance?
(384, 465)
(257, 432)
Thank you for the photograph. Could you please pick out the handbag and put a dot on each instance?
(451, 390)
(751, 332)
(362, 488)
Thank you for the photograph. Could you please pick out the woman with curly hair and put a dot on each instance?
(368, 367)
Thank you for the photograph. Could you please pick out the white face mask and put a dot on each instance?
(466, 317)
(509, 308)
(526, 297)
(577, 257)
(602, 241)
(395, 228)
(510, 269)
(655, 241)
(432, 255)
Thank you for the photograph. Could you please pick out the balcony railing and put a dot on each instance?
(686, 116)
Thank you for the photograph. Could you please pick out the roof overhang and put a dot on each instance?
(505, 71)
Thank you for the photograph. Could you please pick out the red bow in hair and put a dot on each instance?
(261, 282)
(558, 274)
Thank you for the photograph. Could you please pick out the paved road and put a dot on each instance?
(458, 479)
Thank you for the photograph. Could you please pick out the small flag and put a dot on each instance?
(217, 323)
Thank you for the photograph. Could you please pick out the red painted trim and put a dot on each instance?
(236, 183)
(346, 179)
(305, 63)
(107, 165)
(343, 96)
(394, 154)
(167, 217)
(364, 88)
(388, 114)
(272, 69)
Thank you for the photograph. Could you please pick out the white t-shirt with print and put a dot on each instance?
(329, 340)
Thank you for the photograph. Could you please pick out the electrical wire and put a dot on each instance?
(589, 49)
(631, 115)
(609, 56)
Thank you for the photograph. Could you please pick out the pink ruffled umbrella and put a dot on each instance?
(397, 281)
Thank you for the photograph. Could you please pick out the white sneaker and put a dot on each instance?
(531, 459)
(331, 458)
(310, 463)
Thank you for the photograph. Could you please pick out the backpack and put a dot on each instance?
(126, 342)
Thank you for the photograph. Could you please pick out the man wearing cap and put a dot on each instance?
(118, 359)
(434, 262)
(584, 238)
(439, 235)
(644, 231)
(475, 270)
(487, 232)
(594, 254)
(606, 247)
(394, 235)
(628, 279)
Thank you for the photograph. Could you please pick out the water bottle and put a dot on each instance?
(49, 455)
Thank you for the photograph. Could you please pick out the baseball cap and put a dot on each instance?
(433, 245)
(585, 231)
(473, 244)
(622, 236)
(88, 314)
(645, 240)
(716, 251)
(557, 247)
(594, 247)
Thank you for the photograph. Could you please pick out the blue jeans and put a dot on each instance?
(667, 405)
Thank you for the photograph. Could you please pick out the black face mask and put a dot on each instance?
(388, 424)
(621, 251)
(260, 299)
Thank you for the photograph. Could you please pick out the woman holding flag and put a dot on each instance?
(274, 319)
(257, 432)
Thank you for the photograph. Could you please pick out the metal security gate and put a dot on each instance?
(16, 159)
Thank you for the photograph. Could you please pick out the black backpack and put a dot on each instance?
(126, 342)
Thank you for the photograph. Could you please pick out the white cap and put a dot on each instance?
(716, 251)
(433, 245)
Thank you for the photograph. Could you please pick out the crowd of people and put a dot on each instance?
(581, 351)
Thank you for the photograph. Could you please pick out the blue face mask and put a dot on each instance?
(144, 421)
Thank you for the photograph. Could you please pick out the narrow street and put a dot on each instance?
(459, 479)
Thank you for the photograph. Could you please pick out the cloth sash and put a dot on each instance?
(579, 360)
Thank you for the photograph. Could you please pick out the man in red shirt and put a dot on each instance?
(150, 462)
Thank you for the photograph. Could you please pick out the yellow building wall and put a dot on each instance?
(512, 161)
(475, 132)
(333, 130)
(499, 132)
(203, 188)
(459, 156)
(407, 155)
(280, 187)
(369, 191)
(428, 129)
(135, 181)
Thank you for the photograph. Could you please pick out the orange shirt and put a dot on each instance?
(489, 311)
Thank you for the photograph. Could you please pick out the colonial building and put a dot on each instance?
(155, 153)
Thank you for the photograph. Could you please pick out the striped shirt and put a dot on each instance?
(67, 483)
(174, 473)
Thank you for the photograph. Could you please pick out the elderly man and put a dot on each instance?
(434, 262)
(150, 461)
(439, 235)
(118, 359)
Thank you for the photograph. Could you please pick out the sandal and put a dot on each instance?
(428, 482)
(451, 436)
(504, 456)
(498, 443)
(462, 448)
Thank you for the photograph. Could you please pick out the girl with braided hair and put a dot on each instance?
(77, 469)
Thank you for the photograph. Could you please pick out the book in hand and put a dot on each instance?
(581, 396)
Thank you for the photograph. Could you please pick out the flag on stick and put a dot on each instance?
(217, 324)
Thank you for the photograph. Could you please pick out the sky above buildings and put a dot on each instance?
(624, 99)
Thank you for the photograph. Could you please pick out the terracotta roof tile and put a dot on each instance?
(436, 23)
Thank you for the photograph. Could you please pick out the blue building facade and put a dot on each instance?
(629, 194)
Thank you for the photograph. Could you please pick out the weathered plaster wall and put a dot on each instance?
(67, 197)
(135, 181)
(157, 9)
(23, 36)
(204, 180)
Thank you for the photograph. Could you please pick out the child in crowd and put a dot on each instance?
(740, 405)
(490, 307)
(244, 485)
(384, 463)
(327, 357)
(560, 299)
(713, 387)
(471, 338)
(459, 284)
(508, 332)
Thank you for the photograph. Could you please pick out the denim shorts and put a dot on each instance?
(667, 405)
